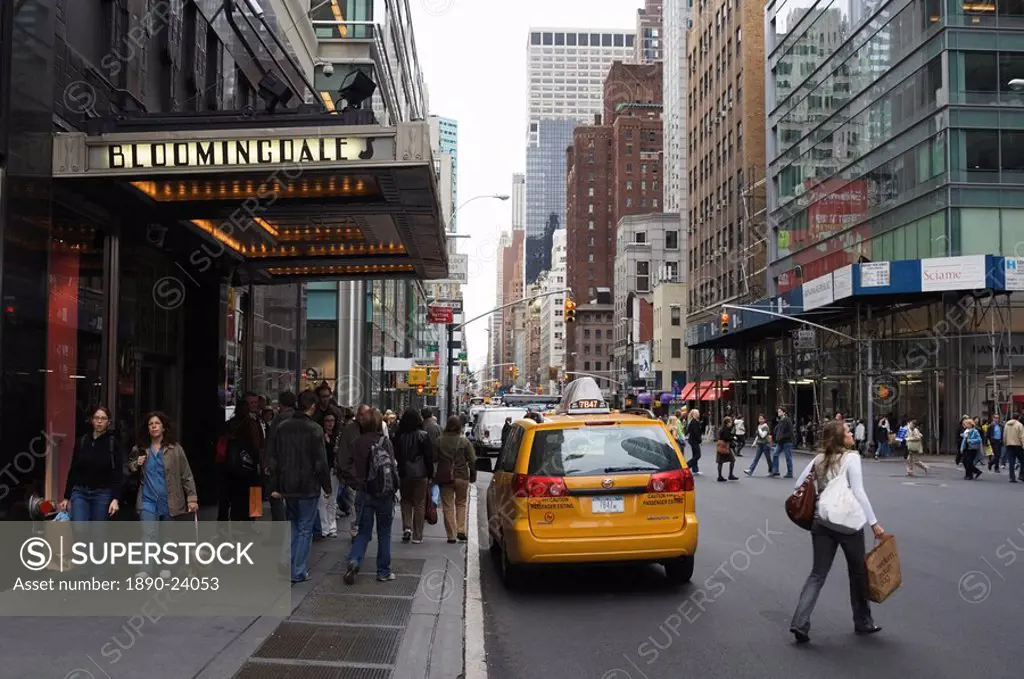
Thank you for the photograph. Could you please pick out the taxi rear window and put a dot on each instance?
(602, 450)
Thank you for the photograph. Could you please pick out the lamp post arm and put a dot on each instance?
(513, 303)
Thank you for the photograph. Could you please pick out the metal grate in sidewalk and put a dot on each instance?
(258, 670)
(354, 609)
(398, 566)
(366, 583)
(301, 641)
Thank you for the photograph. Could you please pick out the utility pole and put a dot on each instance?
(449, 390)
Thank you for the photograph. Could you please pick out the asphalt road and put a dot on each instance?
(960, 611)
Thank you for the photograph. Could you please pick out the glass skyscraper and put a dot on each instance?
(545, 192)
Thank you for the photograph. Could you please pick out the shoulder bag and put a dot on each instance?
(800, 505)
(838, 508)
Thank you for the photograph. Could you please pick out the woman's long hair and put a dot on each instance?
(168, 438)
(411, 421)
(833, 445)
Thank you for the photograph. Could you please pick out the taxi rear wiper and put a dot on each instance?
(634, 468)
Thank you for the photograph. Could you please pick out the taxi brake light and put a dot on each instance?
(599, 424)
(680, 480)
(538, 486)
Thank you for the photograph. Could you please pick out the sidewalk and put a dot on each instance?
(410, 628)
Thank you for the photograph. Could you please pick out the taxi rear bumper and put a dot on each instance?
(523, 547)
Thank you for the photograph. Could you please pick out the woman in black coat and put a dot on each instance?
(414, 453)
(724, 450)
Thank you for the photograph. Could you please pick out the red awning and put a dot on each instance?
(713, 390)
(687, 393)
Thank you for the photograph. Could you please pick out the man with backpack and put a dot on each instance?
(296, 468)
(372, 470)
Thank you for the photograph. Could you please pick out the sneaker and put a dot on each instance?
(451, 541)
(386, 578)
(333, 534)
(800, 635)
(417, 542)
(721, 479)
(748, 472)
(350, 574)
(463, 538)
(406, 535)
(733, 478)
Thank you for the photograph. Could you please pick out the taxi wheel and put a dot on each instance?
(493, 545)
(679, 571)
(511, 574)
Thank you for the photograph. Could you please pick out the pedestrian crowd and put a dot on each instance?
(316, 462)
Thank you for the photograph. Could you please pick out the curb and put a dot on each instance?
(475, 659)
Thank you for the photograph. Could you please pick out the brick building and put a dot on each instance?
(613, 170)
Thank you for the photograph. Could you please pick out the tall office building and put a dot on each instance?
(444, 142)
(650, 44)
(545, 192)
(726, 150)
(566, 69)
(518, 201)
(676, 23)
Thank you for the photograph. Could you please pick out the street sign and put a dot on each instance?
(432, 346)
(462, 355)
(805, 339)
(439, 314)
(458, 269)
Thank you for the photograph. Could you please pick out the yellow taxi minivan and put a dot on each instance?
(588, 486)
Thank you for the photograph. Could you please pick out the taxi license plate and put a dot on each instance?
(608, 505)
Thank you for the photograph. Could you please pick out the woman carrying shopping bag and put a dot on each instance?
(915, 447)
(828, 532)
(414, 452)
(456, 469)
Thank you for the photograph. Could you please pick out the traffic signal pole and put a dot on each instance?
(448, 388)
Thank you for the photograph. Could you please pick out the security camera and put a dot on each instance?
(328, 69)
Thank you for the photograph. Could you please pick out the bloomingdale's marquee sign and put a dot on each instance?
(236, 152)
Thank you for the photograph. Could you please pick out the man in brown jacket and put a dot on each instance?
(1013, 438)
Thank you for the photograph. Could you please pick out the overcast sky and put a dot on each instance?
(473, 54)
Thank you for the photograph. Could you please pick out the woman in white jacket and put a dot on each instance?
(836, 441)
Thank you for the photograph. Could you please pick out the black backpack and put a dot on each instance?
(380, 471)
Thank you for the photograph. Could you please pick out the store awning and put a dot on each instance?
(688, 392)
(714, 389)
(288, 197)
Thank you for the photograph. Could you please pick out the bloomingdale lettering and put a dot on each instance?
(310, 150)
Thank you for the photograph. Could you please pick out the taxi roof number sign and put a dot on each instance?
(583, 397)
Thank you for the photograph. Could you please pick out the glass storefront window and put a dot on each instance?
(979, 231)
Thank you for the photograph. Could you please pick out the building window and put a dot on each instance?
(672, 269)
(590, 224)
(590, 191)
(597, 333)
(671, 240)
(586, 333)
(597, 366)
(586, 350)
(629, 185)
(677, 347)
(640, 237)
(590, 208)
(629, 202)
(677, 315)
(643, 276)
(586, 365)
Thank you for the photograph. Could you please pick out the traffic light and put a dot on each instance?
(570, 310)
(725, 322)
(419, 389)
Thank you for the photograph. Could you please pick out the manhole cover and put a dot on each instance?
(355, 609)
(258, 670)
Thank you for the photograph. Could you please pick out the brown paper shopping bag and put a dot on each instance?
(255, 502)
(883, 564)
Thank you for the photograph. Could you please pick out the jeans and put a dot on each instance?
(90, 504)
(353, 502)
(694, 462)
(414, 506)
(824, 542)
(302, 512)
(787, 450)
(381, 509)
(1014, 456)
(884, 449)
(151, 532)
(342, 497)
(328, 507)
(233, 497)
(762, 449)
(997, 455)
(454, 503)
